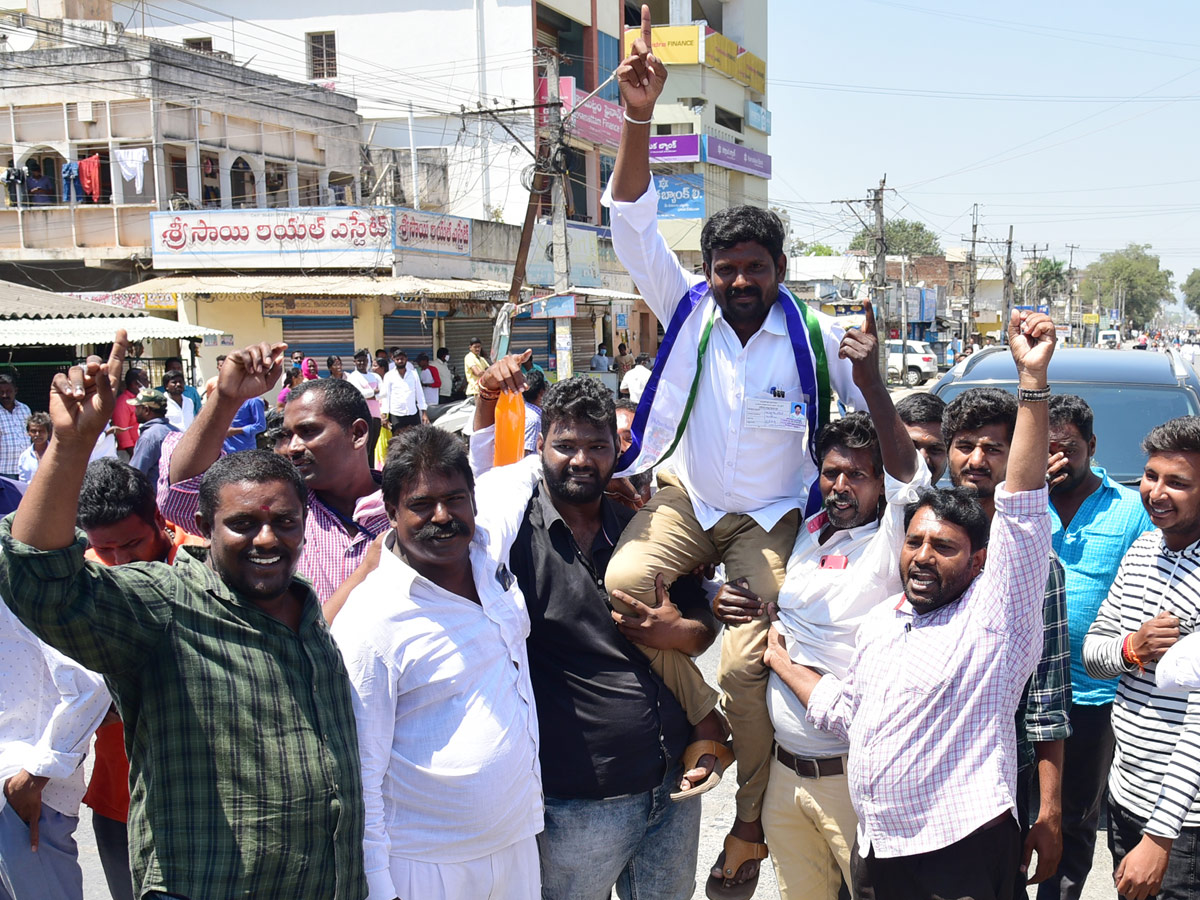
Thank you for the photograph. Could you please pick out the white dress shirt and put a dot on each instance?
(635, 382)
(725, 466)
(368, 385)
(447, 729)
(50, 706)
(180, 414)
(431, 393)
(822, 606)
(402, 394)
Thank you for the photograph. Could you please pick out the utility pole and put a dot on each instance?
(558, 201)
(970, 326)
(1034, 251)
(1008, 284)
(879, 303)
(1071, 248)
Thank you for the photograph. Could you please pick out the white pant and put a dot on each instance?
(510, 874)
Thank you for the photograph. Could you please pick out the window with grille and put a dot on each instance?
(322, 55)
(204, 44)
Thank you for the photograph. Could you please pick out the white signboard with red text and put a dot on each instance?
(318, 237)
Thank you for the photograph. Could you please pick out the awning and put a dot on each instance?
(17, 301)
(326, 286)
(71, 332)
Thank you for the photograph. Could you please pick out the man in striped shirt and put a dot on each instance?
(1154, 784)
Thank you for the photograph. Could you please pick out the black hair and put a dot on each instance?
(274, 428)
(441, 350)
(396, 351)
(958, 506)
(739, 224)
(173, 359)
(340, 400)
(362, 354)
(853, 431)
(423, 356)
(579, 399)
(1068, 409)
(421, 449)
(622, 348)
(112, 491)
(40, 418)
(133, 375)
(330, 361)
(643, 359)
(977, 408)
(172, 374)
(254, 466)
(626, 404)
(1178, 435)
(222, 357)
(535, 384)
(918, 409)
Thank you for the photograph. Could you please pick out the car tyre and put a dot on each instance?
(914, 378)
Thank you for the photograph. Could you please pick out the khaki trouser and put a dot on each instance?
(810, 825)
(666, 537)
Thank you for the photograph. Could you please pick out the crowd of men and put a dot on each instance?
(451, 680)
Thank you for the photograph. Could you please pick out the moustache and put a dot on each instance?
(739, 293)
(304, 458)
(841, 498)
(433, 531)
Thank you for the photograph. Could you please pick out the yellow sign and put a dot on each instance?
(673, 44)
(721, 54)
(752, 71)
(1091, 318)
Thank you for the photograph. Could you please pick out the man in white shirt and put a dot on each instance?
(369, 385)
(846, 562)
(441, 362)
(51, 708)
(402, 398)
(430, 382)
(434, 642)
(739, 430)
(635, 379)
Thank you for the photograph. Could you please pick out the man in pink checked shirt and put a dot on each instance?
(928, 704)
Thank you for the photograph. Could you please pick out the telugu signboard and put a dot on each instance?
(285, 307)
(329, 237)
(431, 233)
(598, 121)
(676, 148)
(130, 299)
(561, 306)
(680, 196)
(737, 157)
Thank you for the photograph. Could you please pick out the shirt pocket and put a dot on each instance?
(929, 662)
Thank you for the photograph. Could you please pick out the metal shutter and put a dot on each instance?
(459, 332)
(405, 329)
(583, 342)
(537, 334)
(320, 337)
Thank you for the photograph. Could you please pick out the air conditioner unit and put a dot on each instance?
(318, 142)
(85, 110)
(206, 117)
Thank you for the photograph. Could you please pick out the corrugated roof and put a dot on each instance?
(326, 286)
(20, 302)
(71, 332)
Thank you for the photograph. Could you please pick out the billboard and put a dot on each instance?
(680, 196)
(673, 44)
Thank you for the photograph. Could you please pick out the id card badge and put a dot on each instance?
(777, 414)
(834, 561)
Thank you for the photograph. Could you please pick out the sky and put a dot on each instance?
(1074, 122)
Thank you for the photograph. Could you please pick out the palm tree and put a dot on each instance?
(1050, 276)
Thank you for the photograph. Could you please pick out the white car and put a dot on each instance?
(922, 363)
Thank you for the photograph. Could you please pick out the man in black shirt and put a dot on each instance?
(611, 733)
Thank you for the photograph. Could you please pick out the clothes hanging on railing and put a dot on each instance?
(132, 163)
(89, 176)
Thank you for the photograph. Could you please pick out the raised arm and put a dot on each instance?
(1031, 339)
(246, 373)
(641, 78)
(861, 347)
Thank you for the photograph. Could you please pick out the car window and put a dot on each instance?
(1124, 414)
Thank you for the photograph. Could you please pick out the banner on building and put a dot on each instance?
(736, 157)
(678, 45)
(284, 307)
(676, 148)
(318, 237)
(559, 307)
(130, 299)
(583, 250)
(680, 196)
(758, 117)
(598, 121)
(426, 232)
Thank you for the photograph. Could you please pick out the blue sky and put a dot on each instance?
(1098, 146)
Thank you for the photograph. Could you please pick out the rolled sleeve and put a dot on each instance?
(82, 705)
(177, 502)
(1047, 713)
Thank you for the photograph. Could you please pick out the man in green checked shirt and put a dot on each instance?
(244, 766)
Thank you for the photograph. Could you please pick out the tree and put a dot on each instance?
(1134, 272)
(1191, 291)
(800, 248)
(904, 237)
(1051, 275)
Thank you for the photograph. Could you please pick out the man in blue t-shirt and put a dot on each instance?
(248, 421)
(1097, 520)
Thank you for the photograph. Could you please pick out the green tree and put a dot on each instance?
(1051, 275)
(904, 237)
(1191, 291)
(817, 250)
(1136, 273)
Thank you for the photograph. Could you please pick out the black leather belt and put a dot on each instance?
(810, 768)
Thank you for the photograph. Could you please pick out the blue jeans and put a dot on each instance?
(1181, 881)
(53, 872)
(643, 844)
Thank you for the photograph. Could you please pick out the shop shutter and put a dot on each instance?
(406, 330)
(535, 334)
(320, 337)
(459, 332)
(583, 342)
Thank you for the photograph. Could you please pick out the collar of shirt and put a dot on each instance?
(606, 538)
(774, 323)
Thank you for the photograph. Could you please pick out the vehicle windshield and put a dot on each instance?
(1124, 414)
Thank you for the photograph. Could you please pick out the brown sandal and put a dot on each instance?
(691, 756)
(737, 852)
